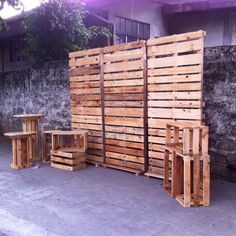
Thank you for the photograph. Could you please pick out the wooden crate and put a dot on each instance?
(69, 150)
(190, 172)
(85, 96)
(68, 160)
(175, 66)
(124, 106)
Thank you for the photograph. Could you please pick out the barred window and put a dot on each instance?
(130, 30)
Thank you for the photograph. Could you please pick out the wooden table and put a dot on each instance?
(21, 149)
(30, 124)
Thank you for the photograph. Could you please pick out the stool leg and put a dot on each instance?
(19, 153)
(166, 170)
(14, 154)
(43, 147)
(187, 182)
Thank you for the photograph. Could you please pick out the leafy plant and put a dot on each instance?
(56, 28)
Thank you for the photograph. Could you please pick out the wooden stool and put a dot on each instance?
(47, 145)
(30, 124)
(190, 168)
(69, 150)
(21, 149)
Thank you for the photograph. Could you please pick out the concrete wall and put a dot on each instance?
(219, 25)
(141, 11)
(45, 89)
(42, 89)
(220, 110)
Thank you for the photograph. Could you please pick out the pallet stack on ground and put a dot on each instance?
(124, 106)
(175, 66)
(85, 89)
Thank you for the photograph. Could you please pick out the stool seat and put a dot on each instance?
(19, 134)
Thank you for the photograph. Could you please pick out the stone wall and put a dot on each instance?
(42, 89)
(45, 89)
(220, 97)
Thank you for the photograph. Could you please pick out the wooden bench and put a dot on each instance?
(21, 149)
(190, 166)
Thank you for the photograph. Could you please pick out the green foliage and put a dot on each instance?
(56, 28)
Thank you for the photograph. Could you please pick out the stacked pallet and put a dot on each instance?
(124, 106)
(85, 93)
(175, 65)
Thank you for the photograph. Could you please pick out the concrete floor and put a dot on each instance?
(103, 202)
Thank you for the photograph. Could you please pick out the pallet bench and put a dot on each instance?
(190, 168)
(21, 149)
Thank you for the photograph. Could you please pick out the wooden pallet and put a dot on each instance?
(124, 106)
(85, 91)
(175, 75)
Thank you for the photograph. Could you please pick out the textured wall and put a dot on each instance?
(43, 89)
(220, 110)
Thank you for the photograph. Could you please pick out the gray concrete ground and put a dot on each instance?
(103, 202)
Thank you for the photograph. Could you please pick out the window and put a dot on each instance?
(129, 30)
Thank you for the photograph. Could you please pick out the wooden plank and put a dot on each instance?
(175, 79)
(182, 47)
(84, 53)
(176, 38)
(123, 66)
(123, 55)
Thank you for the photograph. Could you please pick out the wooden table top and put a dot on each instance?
(19, 134)
(29, 115)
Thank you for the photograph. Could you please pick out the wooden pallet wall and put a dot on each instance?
(85, 93)
(124, 95)
(175, 66)
(124, 106)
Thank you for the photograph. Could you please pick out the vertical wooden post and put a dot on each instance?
(145, 106)
(187, 182)
(173, 175)
(101, 60)
(166, 169)
(186, 141)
